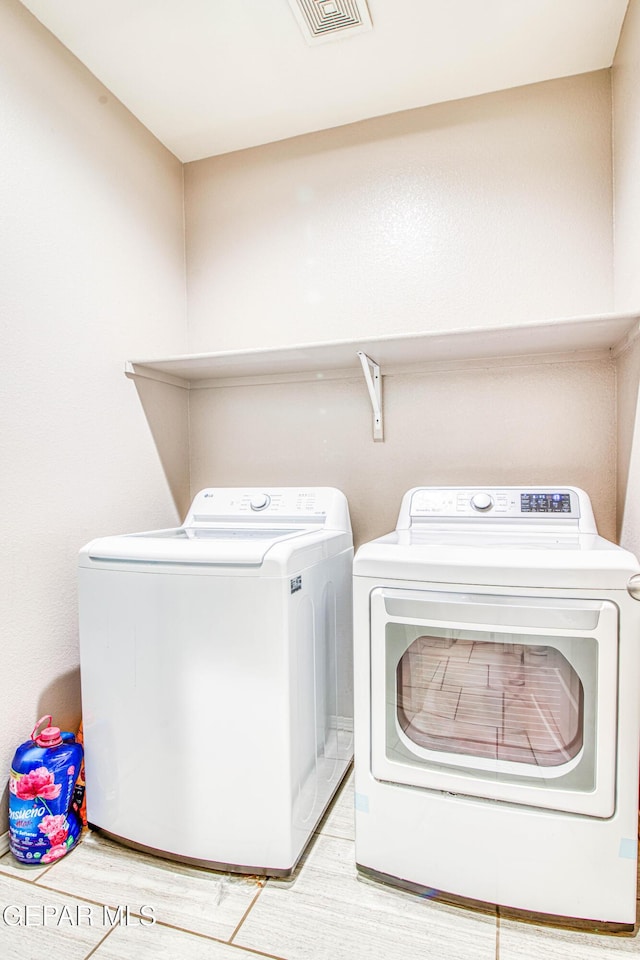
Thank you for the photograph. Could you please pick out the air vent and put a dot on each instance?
(322, 20)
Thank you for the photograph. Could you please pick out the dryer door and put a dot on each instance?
(502, 697)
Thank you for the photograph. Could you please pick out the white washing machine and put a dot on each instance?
(497, 691)
(216, 664)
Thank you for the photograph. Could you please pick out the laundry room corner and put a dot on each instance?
(166, 409)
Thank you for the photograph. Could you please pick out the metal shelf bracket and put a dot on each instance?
(373, 380)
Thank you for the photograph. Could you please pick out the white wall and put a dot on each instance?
(489, 423)
(91, 245)
(626, 141)
(491, 210)
(628, 448)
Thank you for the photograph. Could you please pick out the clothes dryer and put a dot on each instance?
(497, 702)
(216, 667)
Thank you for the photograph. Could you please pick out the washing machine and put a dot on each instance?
(497, 691)
(216, 671)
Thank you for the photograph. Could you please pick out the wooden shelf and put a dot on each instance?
(569, 336)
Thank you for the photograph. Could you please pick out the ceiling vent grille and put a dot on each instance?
(322, 20)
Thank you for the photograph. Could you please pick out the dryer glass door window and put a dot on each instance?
(509, 698)
(519, 702)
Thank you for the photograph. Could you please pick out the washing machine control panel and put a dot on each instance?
(317, 505)
(521, 503)
(260, 502)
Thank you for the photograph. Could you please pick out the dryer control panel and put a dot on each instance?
(505, 502)
(533, 504)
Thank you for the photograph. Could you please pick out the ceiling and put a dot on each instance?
(212, 76)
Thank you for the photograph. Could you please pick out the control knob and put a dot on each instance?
(481, 502)
(260, 501)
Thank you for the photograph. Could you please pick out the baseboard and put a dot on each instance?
(4, 843)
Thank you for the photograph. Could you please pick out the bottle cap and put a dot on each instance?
(49, 737)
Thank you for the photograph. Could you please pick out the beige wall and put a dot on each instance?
(91, 245)
(493, 423)
(628, 448)
(491, 210)
(626, 139)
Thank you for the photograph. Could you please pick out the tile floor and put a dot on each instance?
(69, 911)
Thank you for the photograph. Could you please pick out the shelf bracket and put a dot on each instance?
(373, 380)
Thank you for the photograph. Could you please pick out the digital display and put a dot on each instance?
(545, 502)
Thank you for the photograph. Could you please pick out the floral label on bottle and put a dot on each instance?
(42, 823)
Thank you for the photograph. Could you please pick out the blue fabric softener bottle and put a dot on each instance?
(43, 811)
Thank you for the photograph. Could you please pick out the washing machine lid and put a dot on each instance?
(239, 528)
(192, 545)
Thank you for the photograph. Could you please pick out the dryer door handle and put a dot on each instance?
(634, 586)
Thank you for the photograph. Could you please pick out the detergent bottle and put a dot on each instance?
(43, 806)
